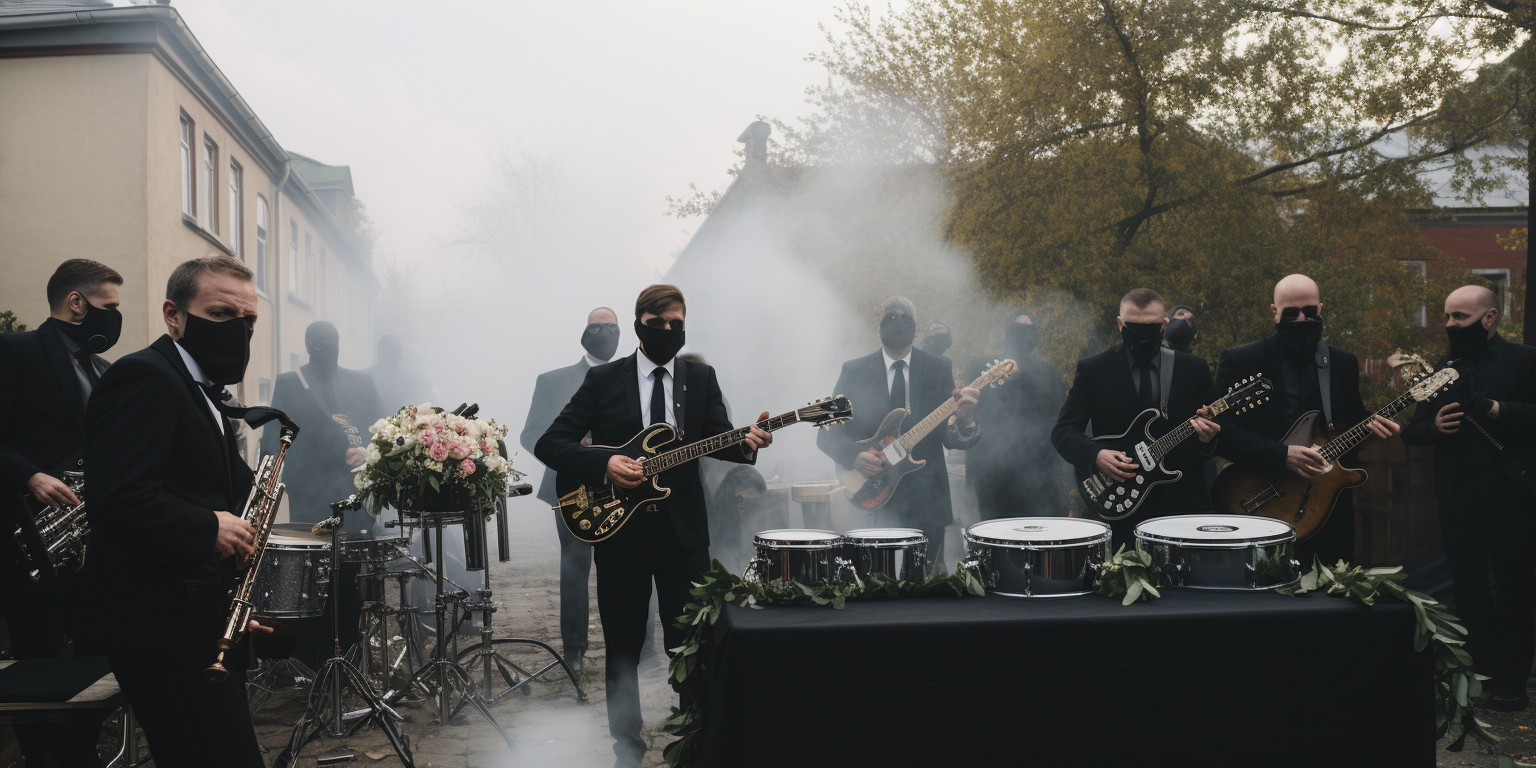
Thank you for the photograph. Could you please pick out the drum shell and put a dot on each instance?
(1025, 569)
(294, 581)
(894, 559)
(1258, 563)
(810, 563)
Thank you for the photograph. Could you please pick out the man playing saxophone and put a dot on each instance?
(167, 484)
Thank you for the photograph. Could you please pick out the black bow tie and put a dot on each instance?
(254, 416)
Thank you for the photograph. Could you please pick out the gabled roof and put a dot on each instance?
(321, 176)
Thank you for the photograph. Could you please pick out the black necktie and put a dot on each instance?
(658, 397)
(254, 416)
(89, 364)
(1148, 397)
(899, 386)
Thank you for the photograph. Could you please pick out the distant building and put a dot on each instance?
(121, 141)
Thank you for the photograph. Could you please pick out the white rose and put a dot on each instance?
(374, 454)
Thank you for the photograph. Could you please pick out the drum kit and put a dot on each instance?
(1043, 556)
(299, 579)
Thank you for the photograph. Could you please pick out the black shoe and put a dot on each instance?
(1500, 700)
(575, 660)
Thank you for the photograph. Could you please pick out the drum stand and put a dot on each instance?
(377, 617)
(261, 685)
(337, 675)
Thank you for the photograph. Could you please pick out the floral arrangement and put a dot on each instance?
(429, 459)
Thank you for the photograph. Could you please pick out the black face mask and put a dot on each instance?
(897, 331)
(222, 348)
(601, 340)
(938, 343)
(1467, 340)
(1300, 337)
(322, 359)
(98, 330)
(1142, 340)
(1179, 334)
(659, 344)
(1021, 339)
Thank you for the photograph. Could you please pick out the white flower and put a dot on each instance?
(373, 454)
(378, 426)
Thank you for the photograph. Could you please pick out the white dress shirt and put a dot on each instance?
(201, 378)
(890, 373)
(644, 370)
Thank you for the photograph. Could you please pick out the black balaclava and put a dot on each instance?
(897, 330)
(391, 352)
(1179, 334)
(324, 345)
(937, 341)
(1142, 339)
(1300, 336)
(221, 348)
(1019, 338)
(601, 340)
(659, 344)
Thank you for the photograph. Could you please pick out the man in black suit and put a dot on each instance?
(1485, 506)
(1296, 361)
(666, 542)
(1014, 470)
(899, 375)
(46, 378)
(333, 407)
(166, 489)
(551, 392)
(1112, 387)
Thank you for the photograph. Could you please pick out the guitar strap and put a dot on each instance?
(1324, 380)
(1165, 380)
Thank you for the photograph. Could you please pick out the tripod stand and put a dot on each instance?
(337, 675)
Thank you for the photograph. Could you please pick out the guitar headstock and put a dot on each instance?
(826, 411)
(995, 374)
(1244, 395)
(1424, 388)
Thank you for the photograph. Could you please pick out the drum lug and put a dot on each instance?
(1029, 581)
(757, 571)
(1251, 574)
(1174, 573)
(843, 573)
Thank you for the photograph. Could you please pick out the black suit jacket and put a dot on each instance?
(159, 469)
(607, 404)
(1514, 387)
(1252, 439)
(1015, 455)
(550, 394)
(923, 496)
(42, 410)
(1104, 397)
(315, 469)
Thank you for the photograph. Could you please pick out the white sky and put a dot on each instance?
(641, 97)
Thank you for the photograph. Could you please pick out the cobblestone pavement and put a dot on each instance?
(549, 726)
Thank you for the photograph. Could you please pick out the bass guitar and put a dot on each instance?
(1116, 499)
(896, 448)
(593, 513)
(1306, 504)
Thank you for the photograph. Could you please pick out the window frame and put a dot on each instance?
(293, 259)
(236, 207)
(261, 244)
(210, 167)
(1502, 289)
(188, 166)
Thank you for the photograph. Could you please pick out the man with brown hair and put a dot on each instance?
(46, 377)
(666, 542)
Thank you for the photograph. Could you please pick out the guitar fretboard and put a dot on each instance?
(662, 462)
(1358, 433)
(1165, 444)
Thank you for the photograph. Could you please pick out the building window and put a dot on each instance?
(186, 167)
(309, 270)
(261, 243)
(209, 202)
(1418, 269)
(235, 211)
(293, 258)
(323, 283)
(1498, 281)
(263, 391)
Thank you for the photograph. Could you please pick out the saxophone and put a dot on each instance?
(260, 510)
(63, 531)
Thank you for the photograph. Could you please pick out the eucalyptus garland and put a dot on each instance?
(1129, 574)
(721, 587)
(1435, 629)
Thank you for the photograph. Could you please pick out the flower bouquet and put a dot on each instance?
(425, 458)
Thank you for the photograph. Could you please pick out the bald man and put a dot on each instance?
(1298, 362)
(1487, 511)
(600, 339)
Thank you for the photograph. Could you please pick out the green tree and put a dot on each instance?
(8, 323)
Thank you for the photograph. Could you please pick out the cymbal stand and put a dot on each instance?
(261, 685)
(326, 694)
(377, 617)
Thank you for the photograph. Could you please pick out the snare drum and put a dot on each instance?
(1041, 556)
(898, 554)
(295, 576)
(1237, 552)
(366, 549)
(807, 555)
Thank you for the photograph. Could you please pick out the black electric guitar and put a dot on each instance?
(896, 448)
(1114, 499)
(593, 513)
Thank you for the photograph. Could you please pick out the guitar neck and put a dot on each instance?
(1165, 444)
(941, 414)
(666, 460)
(1358, 433)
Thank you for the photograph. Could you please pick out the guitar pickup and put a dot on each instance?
(1144, 455)
(894, 453)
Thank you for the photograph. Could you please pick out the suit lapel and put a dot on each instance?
(680, 393)
(167, 349)
(1122, 372)
(64, 371)
(632, 391)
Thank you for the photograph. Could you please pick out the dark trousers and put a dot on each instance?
(1489, 524)
(188, 720)
(314, 644)
(575, 606)
(624, 580)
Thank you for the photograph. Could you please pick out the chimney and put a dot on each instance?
(756, 139)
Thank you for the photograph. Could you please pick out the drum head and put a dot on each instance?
(885, 536)
(1225, 530)
(1037, 531)
(298, 533)
(797, 537)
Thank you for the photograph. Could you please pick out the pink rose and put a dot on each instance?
(461, 428)
(459, 449)
(427, 438)
(487, 447)
(438, 452)
(467, 467)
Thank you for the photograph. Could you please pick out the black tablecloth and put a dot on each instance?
(50, 680)
(1194, 678)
